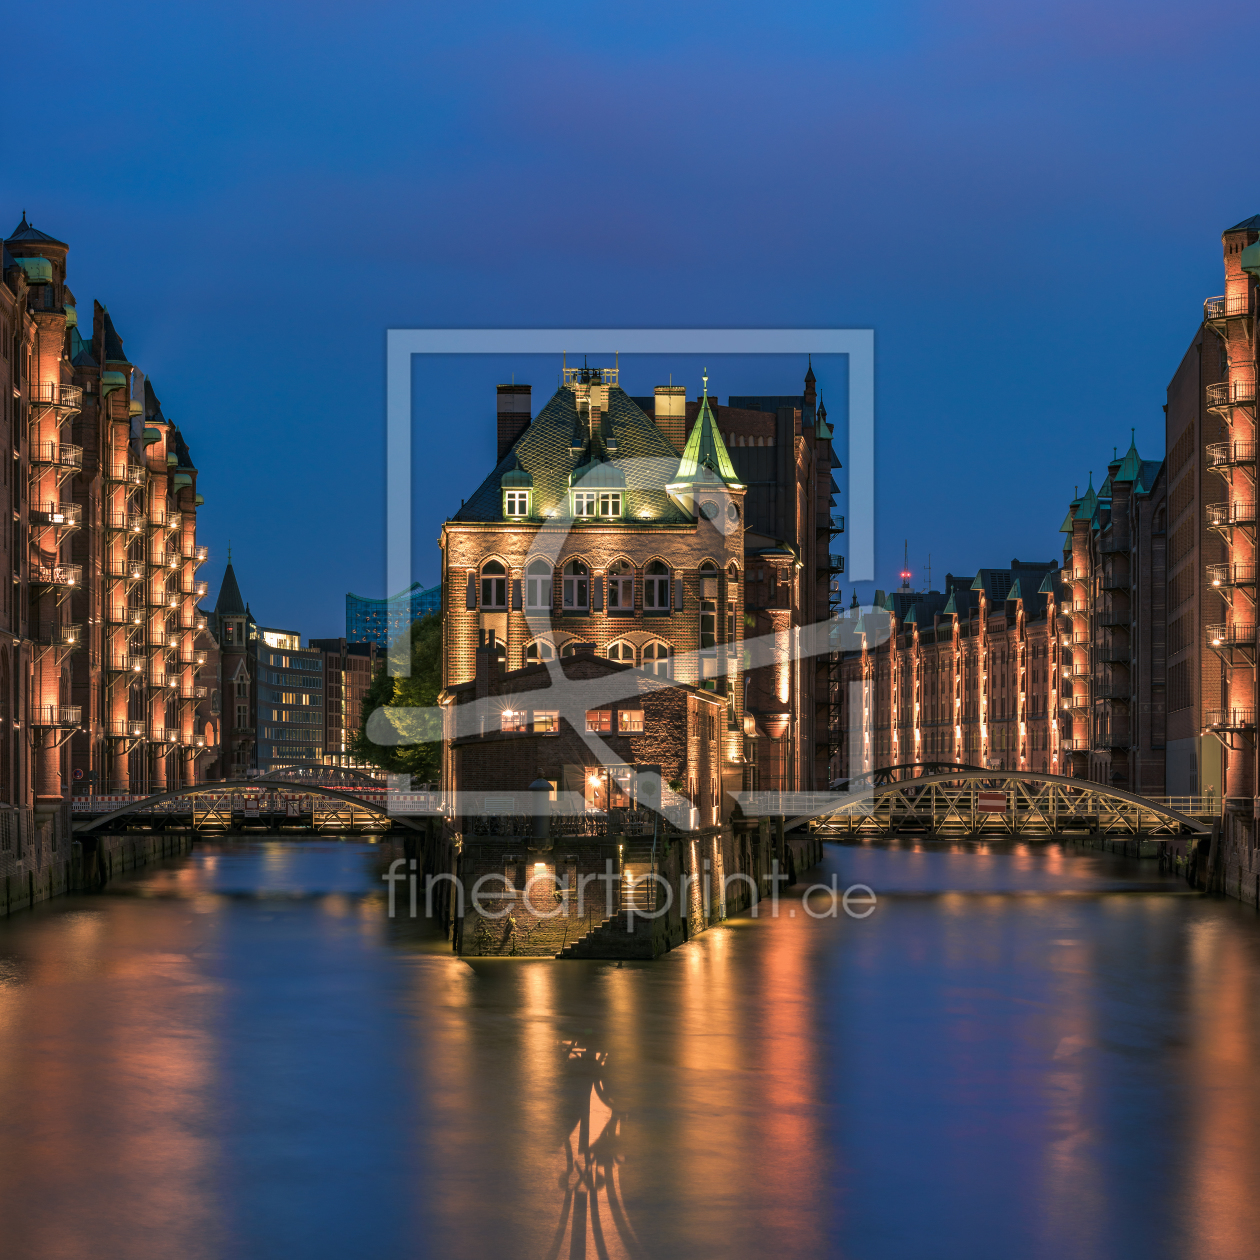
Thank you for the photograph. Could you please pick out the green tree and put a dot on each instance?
(408, 736)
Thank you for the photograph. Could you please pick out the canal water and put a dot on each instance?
(1023, 1052)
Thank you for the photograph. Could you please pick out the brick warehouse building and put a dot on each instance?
(1114, 638)
(611, 535)
(99, 674)
(969, 675)
(723, 532)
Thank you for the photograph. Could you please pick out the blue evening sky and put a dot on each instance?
(1023, 200)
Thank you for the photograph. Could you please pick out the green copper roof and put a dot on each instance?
(1089, 502)
(705, 449)
(889, 606)
(1015, 592)
(1066, 527)
(516, 477)
(951, 608)
(912, 617)
(1047, 583)
(1131, 465)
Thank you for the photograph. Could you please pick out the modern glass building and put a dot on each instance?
(379, 620)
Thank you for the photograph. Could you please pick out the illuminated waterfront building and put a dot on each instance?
(100, 674)
(966, 676)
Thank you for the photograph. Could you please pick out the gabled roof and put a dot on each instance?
(1047, 583)
(705, 449)
(951, 606)
(546, 453)
(1015, 592)
(1144, 482)
(113, 342)
(80, 351)
(26, 232)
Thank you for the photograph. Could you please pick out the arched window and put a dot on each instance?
(538, 585)
(656, 659)
(577, 587)
(656, 588)
(622, 651)
(708, 569)
(620, 588)
(493, 585)
(732, 572)
(571, 647)
(539, 651)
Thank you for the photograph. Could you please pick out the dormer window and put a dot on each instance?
(584, 502)
(516, 503)
(610, 503)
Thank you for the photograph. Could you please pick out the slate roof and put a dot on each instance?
(26, 232)
(229, 600)
(114, 352)
(547, 452)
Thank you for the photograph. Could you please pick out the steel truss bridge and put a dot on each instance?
(309, 797)
(971, 803)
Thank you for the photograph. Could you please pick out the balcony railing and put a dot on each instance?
(192, 691)
(1228, 454)
(126, 474)
(1229, 719)
(54, 394)
(130, 570)
(1116, 582)
(62, 634)
(158, 678)
(121, 615)
(1237, 512)
(1228, 635)
(1114, 655)
(1239, 391)
(202, 589)
(57, 574)
(200, 554)
(62, 515)
(1075, 744)
(1231, 575)
(126, 728)
(60, 455)
(131, 522)
(1115, 620)
(58, 715)
(127, 663)
(156, 636)
(164, 735)
(1228, 307)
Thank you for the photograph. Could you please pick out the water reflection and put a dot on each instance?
(1025, 1052)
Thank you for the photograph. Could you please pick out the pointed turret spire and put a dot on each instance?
(705, 456)
(1131, 465)
(229, 601)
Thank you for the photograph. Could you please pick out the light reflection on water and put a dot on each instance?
(1024, 1052)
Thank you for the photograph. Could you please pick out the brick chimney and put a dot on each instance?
(514, 409)
(671, 414)
(487, 672)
